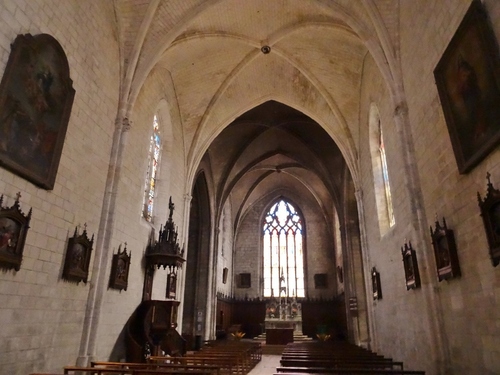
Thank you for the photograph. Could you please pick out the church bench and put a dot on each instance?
(337, 358)
(230, 356)
(342, 362)
(250, 353)
(329, 350)
(228, 364)
(232, 362)
(133, 365)
(343, 371)
(254, 348)
(137, 371)
(250, 356)
(330, 354)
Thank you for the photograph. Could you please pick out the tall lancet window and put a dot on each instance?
(283, 253)
(153, 160)
(385, 176)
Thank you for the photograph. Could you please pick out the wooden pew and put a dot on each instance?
(337, 358)
(153, 366)
(254, 349)
(232, 357)
(138, 371)
(227, 364)
(343, 371)
(386, 363)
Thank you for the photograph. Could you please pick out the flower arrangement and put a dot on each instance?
(323, 336)
(238, 335)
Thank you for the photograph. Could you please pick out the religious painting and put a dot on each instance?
(468, 82)
(14, 227)
(120, 265)
(245, 280)
(445, 251)
(412, 275)
(340, 274)
(321, 281)
(77, 260)
(171, 285)
(36, 96)
(490, 212)
(376, 287)
(224, 275)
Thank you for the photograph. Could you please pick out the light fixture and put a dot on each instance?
(265, 49)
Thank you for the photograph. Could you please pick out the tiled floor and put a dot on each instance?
(267, 366)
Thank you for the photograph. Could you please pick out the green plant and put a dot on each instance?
(238, 335)
(323, 336)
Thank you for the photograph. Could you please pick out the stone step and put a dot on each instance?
(296, 337)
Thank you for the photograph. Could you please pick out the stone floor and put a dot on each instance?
(267, 366)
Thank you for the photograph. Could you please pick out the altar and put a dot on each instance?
(293, 323)
(283, 320)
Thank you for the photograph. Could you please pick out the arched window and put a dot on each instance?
(283, 254)
(153, 161)
(385, 176)
(382, 188)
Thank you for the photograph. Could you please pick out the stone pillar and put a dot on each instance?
(181, 275)
(437, 336)
(98, 284)
(365, 253)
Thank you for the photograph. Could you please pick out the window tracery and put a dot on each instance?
(283, 256)
(153, 163)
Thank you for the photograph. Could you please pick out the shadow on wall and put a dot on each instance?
(118, 353)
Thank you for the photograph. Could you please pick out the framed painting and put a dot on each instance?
(468, 81)
(490, 212)
(340, 274)
(244, 280)
(412, 275)
(120, 265)
(445, 251)
(320, 281)
(376, 286)
(225, 271)
(14, 227)
(36, 96)
(77, 260)
(171, 285)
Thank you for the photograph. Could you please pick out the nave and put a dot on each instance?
(247, 357)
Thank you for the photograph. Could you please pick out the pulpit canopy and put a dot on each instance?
(166, 251)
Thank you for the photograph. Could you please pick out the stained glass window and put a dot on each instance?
(283, 256)
(153, 160)
(385, 176)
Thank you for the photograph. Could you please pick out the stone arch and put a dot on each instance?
(198, 254)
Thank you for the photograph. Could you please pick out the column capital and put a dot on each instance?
(126, 124)
(401, 109)
(123, 123)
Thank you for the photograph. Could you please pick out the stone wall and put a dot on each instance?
(456, 318)
(42, 315)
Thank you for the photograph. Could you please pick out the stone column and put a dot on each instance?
(437, 336)
(98, 284)
(365, 253)
(181, 276)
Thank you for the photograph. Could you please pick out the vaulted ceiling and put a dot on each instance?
(284, 116)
